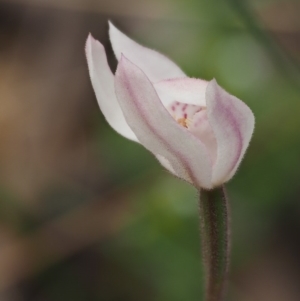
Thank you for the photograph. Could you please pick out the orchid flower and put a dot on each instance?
(196, 130)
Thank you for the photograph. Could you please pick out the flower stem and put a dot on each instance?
(215, 232)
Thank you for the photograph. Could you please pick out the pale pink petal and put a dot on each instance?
(233, 124)
(185, 90)
(156, 129)
(155, 65)
(103, 84)
(202, 129)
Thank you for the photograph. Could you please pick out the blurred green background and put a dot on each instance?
(88, 215)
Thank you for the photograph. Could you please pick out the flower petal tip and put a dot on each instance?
(90, 39)
(111, 26)
(114, 32)
(213, 84)
(90, 44)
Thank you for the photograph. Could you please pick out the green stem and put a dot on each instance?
(215, 232)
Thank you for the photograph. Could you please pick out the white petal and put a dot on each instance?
(201, 128)
(233, 124)
(155, 65)
(156, 129)
(186, 90)
(103, 84)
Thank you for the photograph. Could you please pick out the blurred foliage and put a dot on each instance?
(86, 214)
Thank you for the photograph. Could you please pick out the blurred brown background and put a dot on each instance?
(86, 214)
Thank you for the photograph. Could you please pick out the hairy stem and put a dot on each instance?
(215, 235)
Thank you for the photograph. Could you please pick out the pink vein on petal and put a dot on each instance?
(220, 114)
(184, 161)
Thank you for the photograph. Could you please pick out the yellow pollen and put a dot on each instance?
(184, 122)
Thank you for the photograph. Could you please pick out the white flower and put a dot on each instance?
(197, 130)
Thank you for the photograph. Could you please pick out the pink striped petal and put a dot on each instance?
(157, 130)
(185, 90)
(155, 65)
(201, 128)
(103, 84)
(233, 124)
